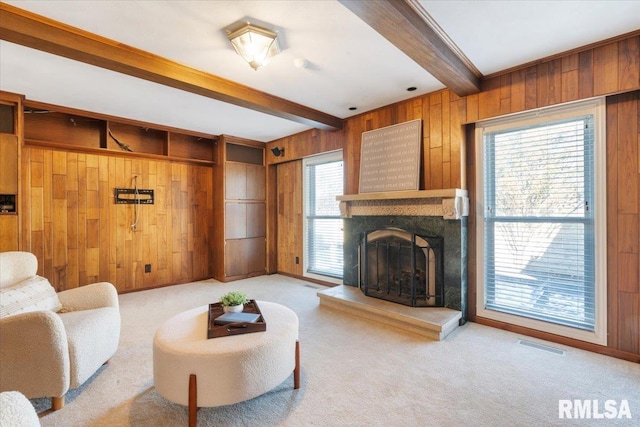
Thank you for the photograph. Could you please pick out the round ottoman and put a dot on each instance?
(226, 370)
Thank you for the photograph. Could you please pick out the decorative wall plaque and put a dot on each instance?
(390, 158)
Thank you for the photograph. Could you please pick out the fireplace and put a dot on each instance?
(402, 267)
(433, 219)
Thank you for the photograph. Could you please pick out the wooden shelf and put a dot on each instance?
(74, 130)
(112, 152)
(448, 193)
(139, 139)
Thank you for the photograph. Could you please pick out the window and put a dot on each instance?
(323, 181)
(541, 221)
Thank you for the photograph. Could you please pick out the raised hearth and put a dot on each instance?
(430, 322)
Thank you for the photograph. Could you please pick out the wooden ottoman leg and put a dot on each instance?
(193, 401)
(296, 370)
(57, 403)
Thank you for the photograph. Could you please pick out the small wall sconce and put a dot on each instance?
(277, 151)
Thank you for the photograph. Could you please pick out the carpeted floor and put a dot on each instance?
(355, 373)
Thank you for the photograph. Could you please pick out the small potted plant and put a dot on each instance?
(233, 301)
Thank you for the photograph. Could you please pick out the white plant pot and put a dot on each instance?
(233, 308)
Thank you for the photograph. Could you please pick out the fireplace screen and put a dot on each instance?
(402, 267)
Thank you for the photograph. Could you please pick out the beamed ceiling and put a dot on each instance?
(170, 63)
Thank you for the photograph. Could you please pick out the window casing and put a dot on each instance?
(323, 225)
(541, 220)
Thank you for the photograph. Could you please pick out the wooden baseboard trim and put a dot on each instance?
(582, 345)
(164, 285)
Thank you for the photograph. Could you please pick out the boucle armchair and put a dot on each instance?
(52, 342)
(16, 410)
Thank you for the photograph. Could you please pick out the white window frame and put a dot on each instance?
(332, 156)
(598, 108)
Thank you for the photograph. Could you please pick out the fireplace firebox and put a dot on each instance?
(402, 267)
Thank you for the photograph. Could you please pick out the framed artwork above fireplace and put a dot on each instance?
(390, 158)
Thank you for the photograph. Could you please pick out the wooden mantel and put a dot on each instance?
(450, 203)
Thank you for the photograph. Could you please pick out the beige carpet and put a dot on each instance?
(355, 373)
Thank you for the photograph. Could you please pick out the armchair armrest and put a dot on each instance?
(96, 295)
(34, 354)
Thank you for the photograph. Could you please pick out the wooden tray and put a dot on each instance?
(216, 331)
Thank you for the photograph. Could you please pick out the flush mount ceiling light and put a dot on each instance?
(256, 45)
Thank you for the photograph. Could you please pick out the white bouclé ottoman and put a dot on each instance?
(226, 370)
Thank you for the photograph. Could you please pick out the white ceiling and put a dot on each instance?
(349, 63)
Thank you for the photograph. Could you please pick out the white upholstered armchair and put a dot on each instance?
(52, 342)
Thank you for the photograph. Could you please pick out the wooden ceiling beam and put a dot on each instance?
(41, 33)
(400, 23)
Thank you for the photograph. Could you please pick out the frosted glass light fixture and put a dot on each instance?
(256, 45)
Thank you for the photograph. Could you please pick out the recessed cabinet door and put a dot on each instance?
(256, 220)
(8, 233)
(235, 181)
(9, 164)
(235, 258)
(256, 186)
(256, 252)
(245, 257)
(235, 220)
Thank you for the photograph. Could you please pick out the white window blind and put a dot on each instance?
(539, 252)
(324, 240)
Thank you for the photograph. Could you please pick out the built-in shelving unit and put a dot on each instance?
(9, 177)
(240, 236)
(68, 129)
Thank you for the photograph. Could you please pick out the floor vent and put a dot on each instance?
(542, 347)
(312, 287)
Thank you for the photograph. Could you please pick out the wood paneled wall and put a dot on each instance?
(604, 70)
(81, 236)
(623, 221)
(290, 218)
(305, 144)
(608, 69)
(442, 115)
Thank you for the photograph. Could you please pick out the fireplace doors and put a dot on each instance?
(402, 267)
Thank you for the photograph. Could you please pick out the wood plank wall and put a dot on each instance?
(81, 236)
(609, 68)
(290, 218)
(623, 221)
(305, 144)
(442, 115)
